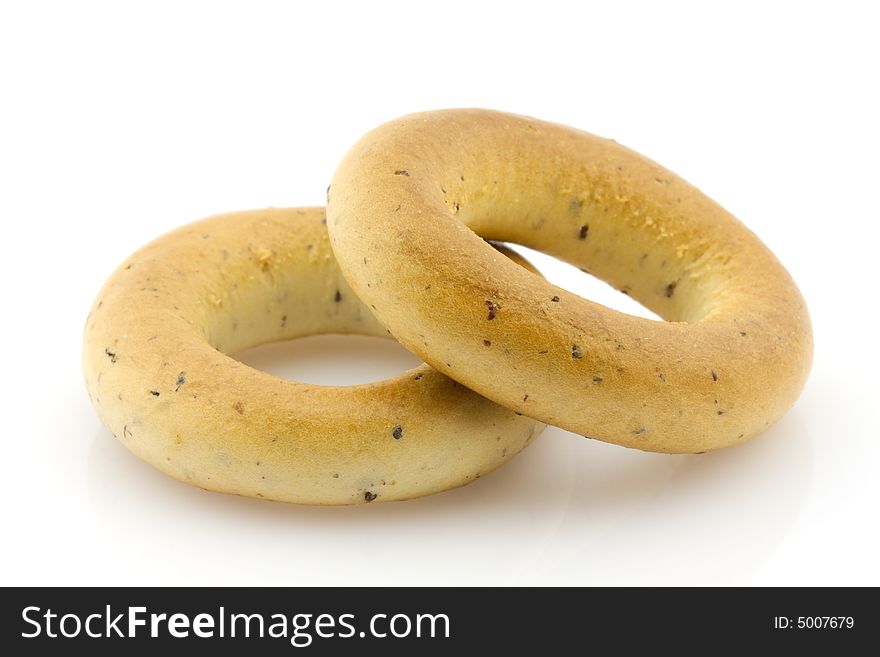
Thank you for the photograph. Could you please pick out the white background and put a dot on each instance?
(120, 121)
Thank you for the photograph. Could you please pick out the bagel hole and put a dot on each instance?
(331, 360)
(585, 285)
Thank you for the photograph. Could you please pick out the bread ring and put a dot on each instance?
(405, 209)
(156, 370)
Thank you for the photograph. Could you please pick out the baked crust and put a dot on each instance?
(156, 371)
(408, 208)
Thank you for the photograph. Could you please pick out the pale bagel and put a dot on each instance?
(409, 207)
(156, 371)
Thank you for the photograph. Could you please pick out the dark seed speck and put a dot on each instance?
(493, 309)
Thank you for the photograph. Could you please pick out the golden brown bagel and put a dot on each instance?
(156, 370)
(408, 208)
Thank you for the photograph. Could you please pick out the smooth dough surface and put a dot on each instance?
(408, 209)
(157, 374)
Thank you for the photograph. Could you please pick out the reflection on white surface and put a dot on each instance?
(701, 519)
(566, 511)
(483, 533)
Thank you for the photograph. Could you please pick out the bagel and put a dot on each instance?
(408, 209)
(155, 365)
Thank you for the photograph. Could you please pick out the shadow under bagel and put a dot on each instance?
(521, 524)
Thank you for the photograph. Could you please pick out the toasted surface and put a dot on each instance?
(155, 364)
(408, 208)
